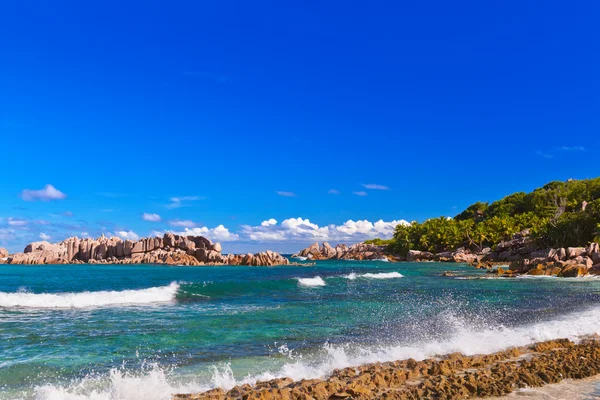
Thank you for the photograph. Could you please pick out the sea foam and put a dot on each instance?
(157, 384)
(382, 275)
(160, 294)
(316, 281)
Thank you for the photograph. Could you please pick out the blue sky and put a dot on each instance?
(249, 112)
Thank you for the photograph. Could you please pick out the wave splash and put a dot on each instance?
(157, 384)
(153, 384)
(160, 294)
(382, 275)
(315, 281)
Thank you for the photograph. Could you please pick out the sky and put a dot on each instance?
(272, 124)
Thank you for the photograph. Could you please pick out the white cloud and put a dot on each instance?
(131, 235)
(218, 234)
(7, 234)
(43, 236)
(177, 202)
(85, 234)
(375, 186)
(48, 193)
(16, 222)
(360, 193)
(186, 223)
(269, 222)
(333, 191)
(303, 230)
(151, 217)
(285, 194)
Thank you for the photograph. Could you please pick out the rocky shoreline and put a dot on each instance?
(452, 376)
(519, 256)
(170, 249)
(358, 251)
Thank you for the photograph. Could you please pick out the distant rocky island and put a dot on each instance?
(170, 249)
(358, 251)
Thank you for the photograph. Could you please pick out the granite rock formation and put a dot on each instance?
(170, 249)
(358, 251)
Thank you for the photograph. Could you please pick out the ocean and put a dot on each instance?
(146, 331)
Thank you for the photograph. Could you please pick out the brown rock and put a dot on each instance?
(573, 252)
(574, 271)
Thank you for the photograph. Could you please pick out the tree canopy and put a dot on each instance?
(559, 214)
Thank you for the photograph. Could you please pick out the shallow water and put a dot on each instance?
(146, 332)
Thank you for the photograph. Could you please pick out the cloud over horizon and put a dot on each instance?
(303, 230)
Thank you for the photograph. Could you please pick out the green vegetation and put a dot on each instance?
(379, 242)
(560, 214)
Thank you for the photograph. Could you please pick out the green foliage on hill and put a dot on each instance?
(555, 215)
(379, 242)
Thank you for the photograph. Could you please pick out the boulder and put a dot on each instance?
(217, 247)
(3, 252)
(186, 244)
(201, 255)
(574, 271)
(138, 247)
(573, 252)
(169, 239)
(327, 251)
(592, 249)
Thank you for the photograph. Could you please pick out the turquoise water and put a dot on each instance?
(146, 332)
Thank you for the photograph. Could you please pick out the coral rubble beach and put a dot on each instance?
(452, 376)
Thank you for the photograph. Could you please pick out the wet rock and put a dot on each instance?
(453, 376)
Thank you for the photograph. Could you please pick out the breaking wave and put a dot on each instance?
(316, 281)
(158, 384)
(152, 295)
(382, 275)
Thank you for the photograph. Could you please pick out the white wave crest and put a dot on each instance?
(382, 275)
(316, 281)
(150, 385)
(352, 276)
(160, 294)
(464, 339)
(301, 258)
(158, 385)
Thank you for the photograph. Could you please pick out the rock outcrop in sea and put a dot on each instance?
(358, 251)
(520, 255)
(170, 249)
